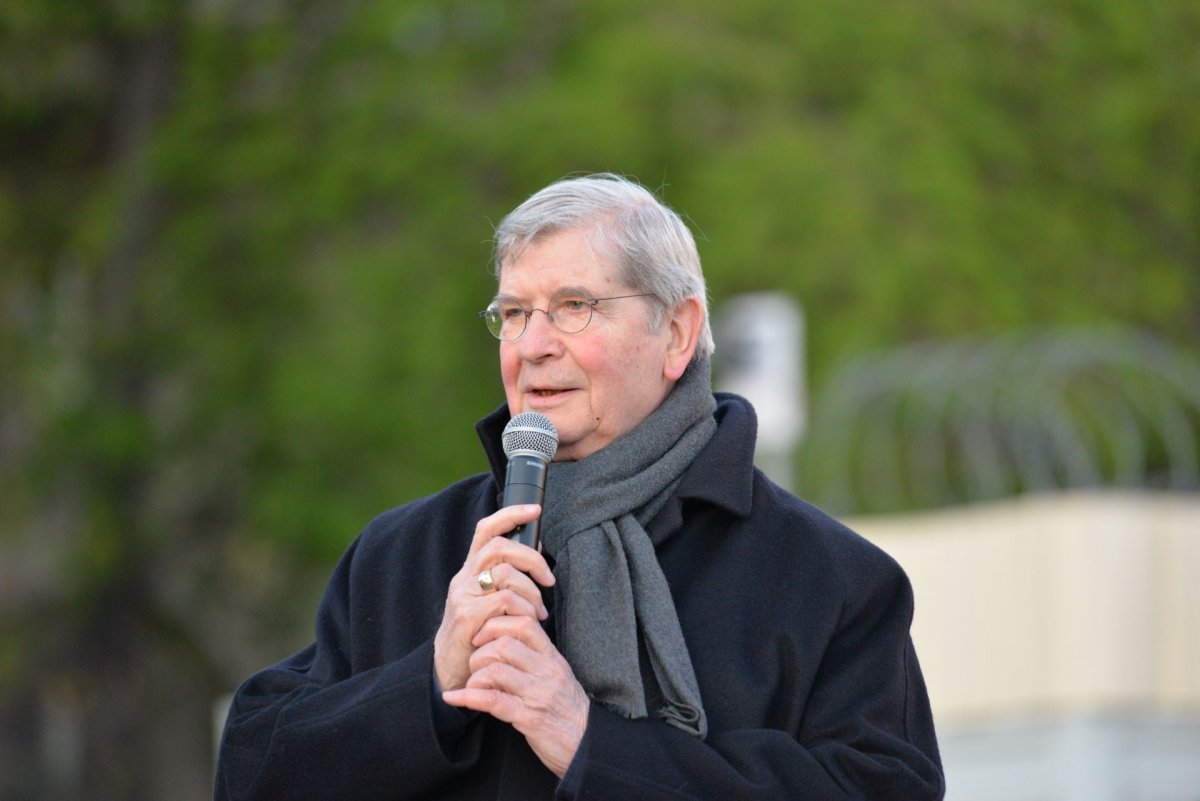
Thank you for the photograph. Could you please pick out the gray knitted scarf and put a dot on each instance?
(611, 597)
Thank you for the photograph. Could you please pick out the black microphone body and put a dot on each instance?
(530, 442)
(525, 482)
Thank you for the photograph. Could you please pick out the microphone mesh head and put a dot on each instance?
(532, 433)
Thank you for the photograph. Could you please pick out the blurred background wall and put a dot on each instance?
(242, 245)
(1058, 634)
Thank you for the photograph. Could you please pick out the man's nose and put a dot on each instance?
(539, 331)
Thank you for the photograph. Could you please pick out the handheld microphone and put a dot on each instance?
(530, 442)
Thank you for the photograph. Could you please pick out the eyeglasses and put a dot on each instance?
(570, 310)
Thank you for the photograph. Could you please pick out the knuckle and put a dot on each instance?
(512, 602)
(487, 551)
(485, 677)
(477, 661)
(526, 624)
(497, 652)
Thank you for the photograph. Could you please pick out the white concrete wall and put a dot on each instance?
(1059, 633)
(1078, 600)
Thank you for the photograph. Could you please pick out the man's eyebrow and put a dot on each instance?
(571, 288)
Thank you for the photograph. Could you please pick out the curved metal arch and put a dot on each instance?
(935, 423)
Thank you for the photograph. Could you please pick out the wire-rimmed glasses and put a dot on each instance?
(570, 311)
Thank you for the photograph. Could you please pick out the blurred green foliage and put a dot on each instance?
(297, 217)
(243, 243)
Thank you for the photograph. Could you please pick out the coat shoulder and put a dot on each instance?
(420, 525)
(859, 564)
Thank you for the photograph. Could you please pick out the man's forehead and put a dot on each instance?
(547, 273)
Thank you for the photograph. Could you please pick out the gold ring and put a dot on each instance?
(485, 581)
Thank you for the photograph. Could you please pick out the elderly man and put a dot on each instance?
(687, 630)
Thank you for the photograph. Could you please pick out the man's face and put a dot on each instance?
(594, 385)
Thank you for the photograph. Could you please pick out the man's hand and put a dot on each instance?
(518, 676)
(469, 606)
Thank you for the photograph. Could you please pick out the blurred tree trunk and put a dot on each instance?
(97, 693)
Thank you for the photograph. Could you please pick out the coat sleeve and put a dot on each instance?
(866, 731)
(316, 727)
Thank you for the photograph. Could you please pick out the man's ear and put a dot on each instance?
(683, 324)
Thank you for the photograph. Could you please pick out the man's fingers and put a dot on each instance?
(490, 546)
(499, 578)
(507, 577)
(501, 522)
(524, 630)
(534, 690)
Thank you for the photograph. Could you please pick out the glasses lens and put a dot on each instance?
(505, 319)
(571, 311)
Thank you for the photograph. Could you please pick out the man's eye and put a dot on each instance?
(574, 304)
(510, 312)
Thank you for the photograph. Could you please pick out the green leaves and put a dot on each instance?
(322, 179)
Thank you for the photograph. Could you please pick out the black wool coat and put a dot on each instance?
(797, 627)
